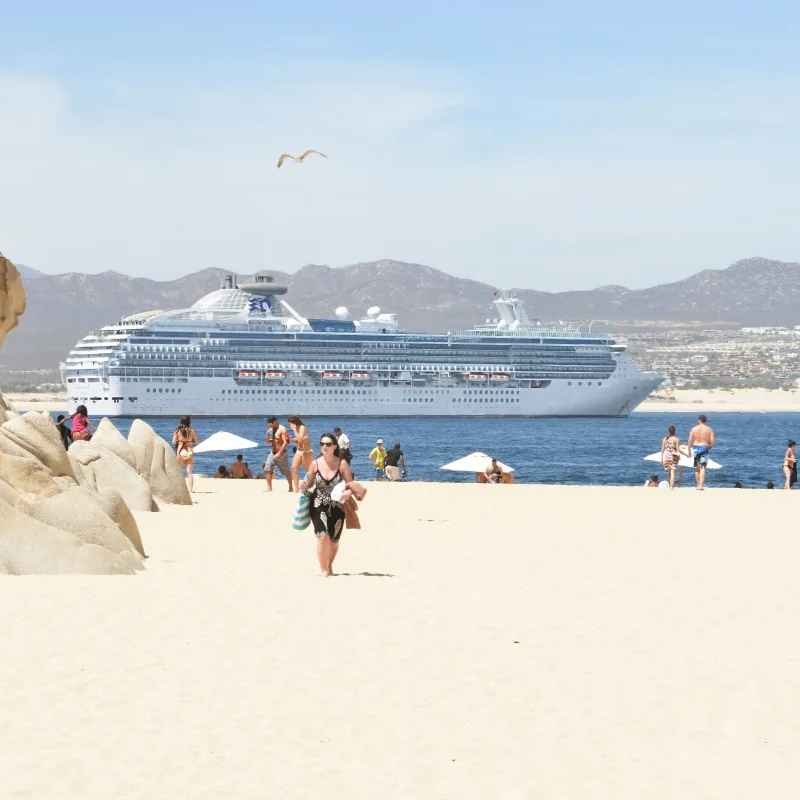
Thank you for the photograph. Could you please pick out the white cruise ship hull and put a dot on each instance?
(241, 351)
(219, 397)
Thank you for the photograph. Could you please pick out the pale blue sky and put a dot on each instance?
(544, 147)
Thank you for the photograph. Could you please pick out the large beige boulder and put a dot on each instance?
(77, 512)
(28, 477)
(12, 297)
(110, 438)
(34, 434)
(7, 410)
(31, 547)
(112, 503)
(102, 469)
(157, 464)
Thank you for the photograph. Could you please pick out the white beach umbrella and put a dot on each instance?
(224, 441)
(685, 460)
(475, 462)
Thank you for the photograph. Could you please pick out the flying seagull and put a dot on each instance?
(299, 159)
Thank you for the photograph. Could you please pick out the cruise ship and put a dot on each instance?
(243, 350)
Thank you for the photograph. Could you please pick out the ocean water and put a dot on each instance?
(573, 451)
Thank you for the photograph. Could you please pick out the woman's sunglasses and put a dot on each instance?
(326, 444)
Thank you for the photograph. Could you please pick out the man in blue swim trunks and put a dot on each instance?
(701, 440)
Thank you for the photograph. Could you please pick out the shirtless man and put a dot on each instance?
(278, 439)
(701, 440)
(238, 468)
(493, 472)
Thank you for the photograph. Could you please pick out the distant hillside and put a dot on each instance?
(63, 308)
(28, 273)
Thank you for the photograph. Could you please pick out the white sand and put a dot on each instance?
(720, 400)
(486, 642)
(38, 401)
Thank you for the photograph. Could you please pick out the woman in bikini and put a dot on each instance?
(671, 454)
(327, 473)
(82, 428)
(304, 454)
(184, 440)
(790, 464)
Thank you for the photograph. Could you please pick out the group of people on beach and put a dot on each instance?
(328, 481)
(698, 447)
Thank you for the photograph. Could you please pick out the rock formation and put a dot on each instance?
(156, 463)
(102, 469)
(12, 297)
(12, 306)
(71, 512)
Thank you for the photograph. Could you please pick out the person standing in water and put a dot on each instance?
(701, 440)
(671, 454)
(327, 515)
(377, 457)
(184, 439)
(790, 464)
(305, 453)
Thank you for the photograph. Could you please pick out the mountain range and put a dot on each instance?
(63, 308)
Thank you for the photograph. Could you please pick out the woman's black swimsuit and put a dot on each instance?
(327, 516)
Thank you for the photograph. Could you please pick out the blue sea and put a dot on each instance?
(546, 450)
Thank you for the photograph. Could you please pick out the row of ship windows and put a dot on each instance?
(365, 391)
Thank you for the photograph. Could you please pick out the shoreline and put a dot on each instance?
(716, 401)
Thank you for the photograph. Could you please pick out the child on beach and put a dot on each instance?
(82, 428)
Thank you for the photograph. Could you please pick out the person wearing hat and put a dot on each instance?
(378, 459)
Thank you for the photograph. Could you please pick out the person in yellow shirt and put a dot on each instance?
(378, 459)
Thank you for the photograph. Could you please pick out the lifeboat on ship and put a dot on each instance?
(245, 373)
(499, 377)
(332, 376)
(476, 376)
(360, 376)
(275, 375)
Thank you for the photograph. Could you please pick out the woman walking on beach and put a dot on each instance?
(671, 454)
(184, 440)
(304, 454)
(790, 465)
(327, 478)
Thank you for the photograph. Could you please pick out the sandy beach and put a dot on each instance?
(721, 400)
(509, 641)
(38, 401)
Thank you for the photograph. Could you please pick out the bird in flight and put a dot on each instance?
(299, 159)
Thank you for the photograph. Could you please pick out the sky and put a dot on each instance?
(533, 145)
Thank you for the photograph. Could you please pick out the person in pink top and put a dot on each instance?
(82, 428)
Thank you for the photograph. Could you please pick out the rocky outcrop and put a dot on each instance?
(71, 512)
(108, 437)
(12, 306)
(112, 503)
(29, 546)
(156, 463)
(12, 297)
(102, 469)
(7, 410)
(77, 512)
(35, 435)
